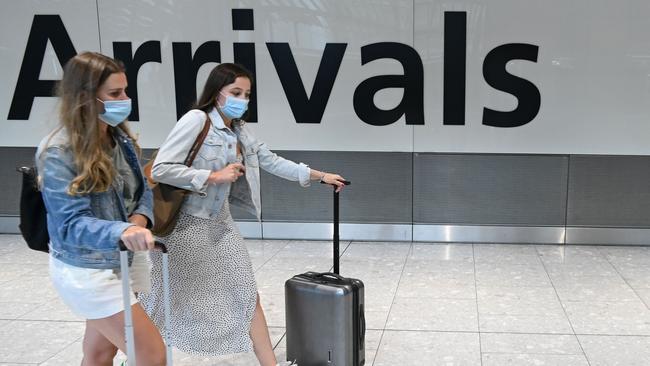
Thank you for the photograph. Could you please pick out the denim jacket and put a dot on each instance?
(217, 151)
(85, 229)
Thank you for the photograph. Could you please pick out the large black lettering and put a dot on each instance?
(147, 52)
(307, 109)
(244, 54)
(44, 28)
(496, 75)
(455, 64)
(186, 68)
(412, 103)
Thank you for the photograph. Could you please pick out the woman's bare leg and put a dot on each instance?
(98, 351)
(260, 335)
(148, 342)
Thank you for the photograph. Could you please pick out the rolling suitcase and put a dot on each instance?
(128, 316)
(325, 315)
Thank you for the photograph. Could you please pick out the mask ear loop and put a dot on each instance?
(217, 101)
(103, 109)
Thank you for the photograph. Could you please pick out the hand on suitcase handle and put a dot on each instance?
(158, 245)
(345, 182)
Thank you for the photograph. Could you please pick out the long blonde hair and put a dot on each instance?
(78, 113)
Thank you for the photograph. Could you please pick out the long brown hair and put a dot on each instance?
(222, 75)
(78, 113)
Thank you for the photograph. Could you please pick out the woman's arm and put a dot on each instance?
(140, 220)
(329, 178)
(143, 213)
(75, 221)
(169, 167)
(290, 170)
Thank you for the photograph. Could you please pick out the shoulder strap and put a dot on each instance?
(199, 141)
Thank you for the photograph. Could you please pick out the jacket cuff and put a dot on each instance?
(303, 175)
(200, 180)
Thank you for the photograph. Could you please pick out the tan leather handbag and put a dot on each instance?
(168, 199)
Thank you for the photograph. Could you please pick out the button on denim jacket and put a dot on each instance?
(85, 229)
(217, 151)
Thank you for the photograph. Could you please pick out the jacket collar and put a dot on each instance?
(216, 119)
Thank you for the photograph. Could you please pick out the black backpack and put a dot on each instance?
(33, 219)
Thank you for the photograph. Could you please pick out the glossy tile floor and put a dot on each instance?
(427, 303)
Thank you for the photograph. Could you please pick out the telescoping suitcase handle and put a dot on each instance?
(336, 225)
(126, 295)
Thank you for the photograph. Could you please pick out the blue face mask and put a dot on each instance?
(115, 111)
(234, 107)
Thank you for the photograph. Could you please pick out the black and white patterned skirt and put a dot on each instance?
(212, 286)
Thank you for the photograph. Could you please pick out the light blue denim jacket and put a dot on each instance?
(217, 151)
(85, 229)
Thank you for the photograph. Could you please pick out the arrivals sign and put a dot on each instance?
(499, 77)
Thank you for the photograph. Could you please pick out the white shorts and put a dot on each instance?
(97, 293)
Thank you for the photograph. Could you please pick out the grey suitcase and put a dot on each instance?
(325, 315)
(128, 316)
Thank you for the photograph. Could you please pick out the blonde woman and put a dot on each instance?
(95, 196)
(215, 306)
